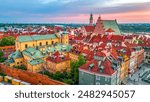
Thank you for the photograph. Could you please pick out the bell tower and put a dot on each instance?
(91, 20)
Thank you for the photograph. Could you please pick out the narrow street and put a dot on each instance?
(136, 79)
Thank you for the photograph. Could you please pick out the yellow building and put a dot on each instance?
(15, 59)
(124, 68)
(1, 78)
(32, 51)
(15, 82)
(23, 42)
(74, 55)
(58, 63)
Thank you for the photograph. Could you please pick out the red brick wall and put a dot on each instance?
(33, 78)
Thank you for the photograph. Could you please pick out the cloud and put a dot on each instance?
(45, 10)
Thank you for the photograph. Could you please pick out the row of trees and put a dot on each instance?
(134, 28)
(70, 78)
(7, 41)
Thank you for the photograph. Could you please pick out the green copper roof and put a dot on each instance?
(16, 54)
(36, 37)
(36, 61)
(24, 38)
(113, 25)
(43, 37)
(59, 47)
(33, 53)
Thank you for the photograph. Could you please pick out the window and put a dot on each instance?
(40, 44)
(21, 62)
(106, 79)
(17, 62)
(46, 43)
(98, 77)
(26, 45)
(33, 45)
(52, 42)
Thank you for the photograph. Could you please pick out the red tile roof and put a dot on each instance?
(56, 58)
(95, 39)
(85, 51)
(107, 67)
(89, 28)
(90, 56)
(110, 30)
(100, 54)
(117, 37)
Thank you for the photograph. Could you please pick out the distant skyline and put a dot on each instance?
(73, 11)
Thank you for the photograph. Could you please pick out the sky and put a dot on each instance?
(73, 11)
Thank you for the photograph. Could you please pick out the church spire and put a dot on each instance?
(91, 20)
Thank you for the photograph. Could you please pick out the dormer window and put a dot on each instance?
(91, 66)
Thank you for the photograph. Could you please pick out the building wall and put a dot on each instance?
(58, 67)
(89, 78)
(74, 57)
(34, 68)
(147, 57)
(30, 77)
(102, 80)
(132, 64)
(65, 39)
(124, 70)
(86, 78)
(140, 57)
(18, 61)
(21, 45)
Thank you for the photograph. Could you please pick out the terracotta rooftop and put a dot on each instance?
(57, 58)
(89, 28)
(110, 30)
(107, 70)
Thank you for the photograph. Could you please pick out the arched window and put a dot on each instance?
(52, 42)
(46, 43)
(26, 45)
(40, 44)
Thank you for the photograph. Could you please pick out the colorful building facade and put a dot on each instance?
(58, 63)
(32, 51)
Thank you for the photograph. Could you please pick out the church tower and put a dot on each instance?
(91, 20)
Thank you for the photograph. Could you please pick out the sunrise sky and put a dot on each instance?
(73, 11)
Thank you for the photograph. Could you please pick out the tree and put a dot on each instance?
(7, 41)
(75, 68)
(22, 67)
(81, 60)
(71, 77)
(68, 81)
(1, 54)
